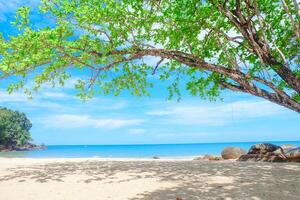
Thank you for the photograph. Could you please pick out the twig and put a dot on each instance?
(158, 63)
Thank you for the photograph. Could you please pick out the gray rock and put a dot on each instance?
(2, 147)
(232, 152)
(268, 157)
(293, 155)
(288, 147)
(263, 148)
(264, 152)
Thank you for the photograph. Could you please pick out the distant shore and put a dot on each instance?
(26, 147)
(145, 179)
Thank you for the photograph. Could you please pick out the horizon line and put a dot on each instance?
(265, 141)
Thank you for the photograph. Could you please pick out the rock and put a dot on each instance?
(285, 148)
(42, 146)
(293, 155)
(155, 157)
(233, 153)
(216, 158)
(269, 157)
(2, 148)
(293, 152)
(264, 152)
(263, 148)
(279, 151)
(275, 158)
(198, 158)
(208, 157)
(288, 147)
(25, 147)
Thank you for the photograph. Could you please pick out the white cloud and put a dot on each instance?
(19, 96)
(80, 121)
(136, 131)
(214, 115)
(59, 101)
(55, 95)
(14, 97)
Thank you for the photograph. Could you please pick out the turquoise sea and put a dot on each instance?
(133, 151)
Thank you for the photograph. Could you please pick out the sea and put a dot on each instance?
(134, 151)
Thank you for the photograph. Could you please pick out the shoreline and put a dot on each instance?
(101, 159)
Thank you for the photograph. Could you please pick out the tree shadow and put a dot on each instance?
(192, 180)
(225, 180)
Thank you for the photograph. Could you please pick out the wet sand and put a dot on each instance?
(129, 179)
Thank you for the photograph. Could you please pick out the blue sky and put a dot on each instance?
(60, 118)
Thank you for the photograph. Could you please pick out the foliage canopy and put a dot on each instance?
(250, 46)
(14, 128)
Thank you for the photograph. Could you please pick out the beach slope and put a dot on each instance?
(129, 179)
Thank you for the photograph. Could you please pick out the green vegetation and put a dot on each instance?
(14, 129)
(240, 45)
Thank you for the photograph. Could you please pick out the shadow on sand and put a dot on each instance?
(193, 179)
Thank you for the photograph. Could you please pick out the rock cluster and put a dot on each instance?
(271, 153)
(26, 147)
(30, 146)
(260, 152)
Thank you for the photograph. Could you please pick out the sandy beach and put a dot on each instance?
(134, 179)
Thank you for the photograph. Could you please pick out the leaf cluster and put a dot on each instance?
(14, 128)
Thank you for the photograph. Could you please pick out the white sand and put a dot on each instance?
(73, 187)
(135, 179)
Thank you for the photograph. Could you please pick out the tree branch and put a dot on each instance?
(265, 56)
(295, 25)
(244, 81)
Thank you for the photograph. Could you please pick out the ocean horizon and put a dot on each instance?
(135, 150)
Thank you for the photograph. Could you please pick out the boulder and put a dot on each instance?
(264, 152)
(269, 157)
(293, 155)
(263, 148)
(232, 152)
(288, 147)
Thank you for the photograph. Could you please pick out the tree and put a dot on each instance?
(14, 128)
(249, 46)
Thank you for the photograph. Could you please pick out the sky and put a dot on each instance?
(59, 117)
